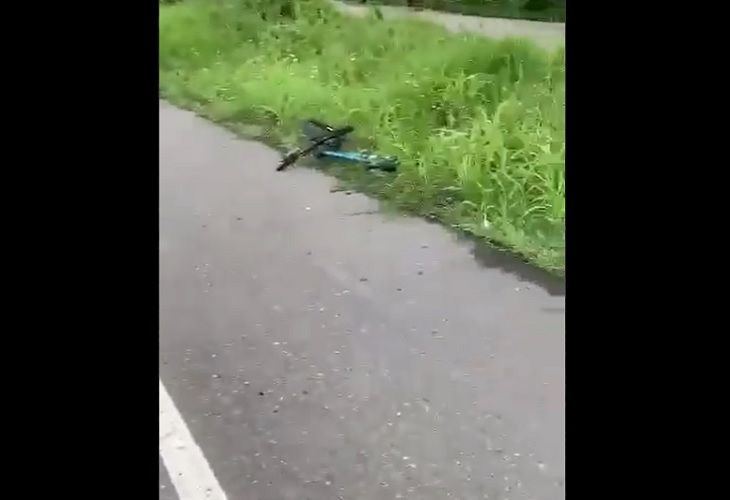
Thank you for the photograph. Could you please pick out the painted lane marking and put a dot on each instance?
(189, 471)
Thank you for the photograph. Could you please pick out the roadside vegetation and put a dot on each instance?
(478, 124)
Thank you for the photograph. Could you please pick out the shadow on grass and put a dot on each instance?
(489, 254)
(492, 255)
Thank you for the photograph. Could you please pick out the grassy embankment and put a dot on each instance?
(479, 125)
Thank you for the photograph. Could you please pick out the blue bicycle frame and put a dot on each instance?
(314, 131)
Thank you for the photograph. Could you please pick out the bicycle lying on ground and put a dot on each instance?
(326, 142)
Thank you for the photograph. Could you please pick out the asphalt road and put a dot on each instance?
(547, 35)
(318, 350)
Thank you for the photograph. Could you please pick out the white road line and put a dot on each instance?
(186, 465)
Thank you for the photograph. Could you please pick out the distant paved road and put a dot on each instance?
(548, 35)
(319, 351)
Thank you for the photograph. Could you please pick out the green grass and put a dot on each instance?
(479, 125)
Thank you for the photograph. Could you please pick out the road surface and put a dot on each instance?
(313, 349)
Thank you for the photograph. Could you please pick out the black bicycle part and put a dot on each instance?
(314, 130)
